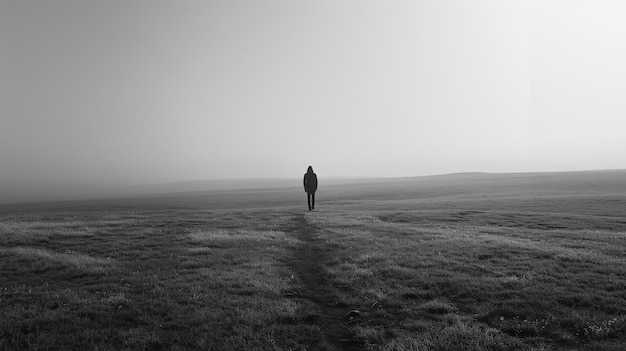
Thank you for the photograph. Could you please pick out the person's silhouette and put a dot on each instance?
(310, 186)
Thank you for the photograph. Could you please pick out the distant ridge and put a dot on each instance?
(12, 195)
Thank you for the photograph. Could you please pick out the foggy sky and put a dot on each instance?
(126, 92)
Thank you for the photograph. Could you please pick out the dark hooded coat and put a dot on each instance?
(310, 181)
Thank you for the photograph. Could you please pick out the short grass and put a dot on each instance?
(480, 280)
(397, 279)
(134, 280)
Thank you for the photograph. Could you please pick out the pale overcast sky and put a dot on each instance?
(145, 91)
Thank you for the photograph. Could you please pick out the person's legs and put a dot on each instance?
(313, 200)
(308, 200)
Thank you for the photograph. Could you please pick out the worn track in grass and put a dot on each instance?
(308, 262)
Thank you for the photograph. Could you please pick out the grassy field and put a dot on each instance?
(465, 262)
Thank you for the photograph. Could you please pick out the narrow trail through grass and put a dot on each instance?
(308, 262)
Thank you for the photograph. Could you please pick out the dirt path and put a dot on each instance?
(308, 262)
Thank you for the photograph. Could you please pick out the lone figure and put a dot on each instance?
(310, 186)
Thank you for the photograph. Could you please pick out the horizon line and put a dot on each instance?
(348, 177)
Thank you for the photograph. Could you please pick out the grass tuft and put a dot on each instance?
(79, 261)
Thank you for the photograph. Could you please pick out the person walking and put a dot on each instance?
(310, 186)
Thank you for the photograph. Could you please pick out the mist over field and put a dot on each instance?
(474, 188)
(98, 96)
(85, 191)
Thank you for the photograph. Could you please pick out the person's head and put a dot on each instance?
(309, 170)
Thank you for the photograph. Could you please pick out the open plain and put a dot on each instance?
(471, 261)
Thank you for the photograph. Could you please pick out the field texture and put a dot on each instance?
(479, 264)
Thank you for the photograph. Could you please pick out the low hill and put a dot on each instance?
(589, 191)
